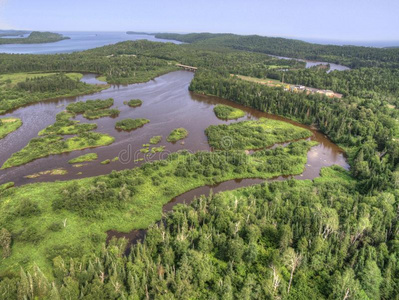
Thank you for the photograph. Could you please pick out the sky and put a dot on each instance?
(355, 20)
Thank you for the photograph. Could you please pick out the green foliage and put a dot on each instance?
(252, 243)
(358, 124)
(36, 37)
(348, 55)
(177, 134)
(155, 139)
(64, 126)
(53, 144)
(253, 134)
(331, 238)
(36, 89)
(92, 115)
(9, 125)
(5, 242)
(227, 112)
(106, 162)
(114, 67)
(84, 158)
(157, 149)
(130, 124)
(6, 186)
(134, 102)
(120, 200)
(89, 106)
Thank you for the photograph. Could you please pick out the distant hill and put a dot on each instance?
(36, 37)
(139, 32)
(12, 32)
(352, 56)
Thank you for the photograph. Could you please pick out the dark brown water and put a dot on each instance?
(167, 103)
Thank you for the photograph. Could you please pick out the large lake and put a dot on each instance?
(78, 41)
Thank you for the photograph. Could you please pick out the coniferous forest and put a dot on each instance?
(333, 237)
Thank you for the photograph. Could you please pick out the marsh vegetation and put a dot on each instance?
(249, 135)
(130, 124)
(9, 125)
(227, 112)
(177, 135)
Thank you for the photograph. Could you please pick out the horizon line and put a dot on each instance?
(152, 32)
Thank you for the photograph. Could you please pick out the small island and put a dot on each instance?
(227, 112)
(134, 102)
(8, 125)
(177, 134)
(94, 109)
(130, 124)
(36, 37)
(252, 135)
(84, 158)
(156, 139)
(55, 144)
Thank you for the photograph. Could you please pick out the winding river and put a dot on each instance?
(168, 104)
(312, 63)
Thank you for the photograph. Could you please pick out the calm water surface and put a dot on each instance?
(167, 103)
(311, 63)
(78, 41)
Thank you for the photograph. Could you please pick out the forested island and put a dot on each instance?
(332, 237)
(35, 37)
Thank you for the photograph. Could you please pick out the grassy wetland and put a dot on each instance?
(58, 217)
(9, 125)
(227, 112)
(266, 241)
(26, 88)
(130, 124)
(251, 135)
(177, 135)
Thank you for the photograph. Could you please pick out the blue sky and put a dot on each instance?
(359, 20)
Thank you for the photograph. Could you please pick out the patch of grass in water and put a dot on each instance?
(130, 124)
(54, 144)
(53, 172)
(177, 134)
(134, 102)
(9, 125)
(248, 135)
(106, 162)
(156, 139)
(84, 158)
(227, 112)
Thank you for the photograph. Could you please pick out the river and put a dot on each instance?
(167, 103)
(312, 63)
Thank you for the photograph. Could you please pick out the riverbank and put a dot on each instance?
(167, 103)
(8, 125)
(125, 200)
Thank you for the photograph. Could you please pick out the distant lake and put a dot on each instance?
(376, 44)
(79, 41)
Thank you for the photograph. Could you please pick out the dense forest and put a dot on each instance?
(352, 56)
(282, 240)
(36, 37)
(335, 237)
(41, 88)
(362, 126)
